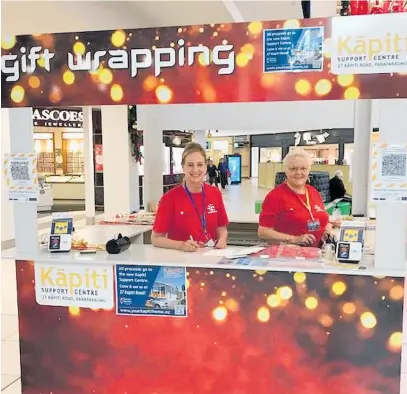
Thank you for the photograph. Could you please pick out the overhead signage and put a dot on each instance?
(362, 48)
(74, 285)
(216, 63)
(143, 290)
(58, 117)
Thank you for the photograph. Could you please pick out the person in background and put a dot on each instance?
(336, 186)
(212, 173)
(191, 215)
(294, 212)
(223, 172)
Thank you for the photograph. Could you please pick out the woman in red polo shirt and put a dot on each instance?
(294, 212)
(191, 215)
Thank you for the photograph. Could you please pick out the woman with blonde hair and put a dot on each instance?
(191, 215)
(294, 212)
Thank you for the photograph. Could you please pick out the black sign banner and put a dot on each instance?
(58, 117)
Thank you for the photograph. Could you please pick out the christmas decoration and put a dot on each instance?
(365, 7)
(136, 136)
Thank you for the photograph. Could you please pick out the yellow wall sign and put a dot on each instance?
(74, 285)
(388, 172)
(20, 173)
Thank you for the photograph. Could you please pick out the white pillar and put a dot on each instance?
(391, 217)
(323, 8)
(361, 157)
(148, 120)
(200, 137)
(90, 213)
(120, 170)
(25, 214)
(7, 208)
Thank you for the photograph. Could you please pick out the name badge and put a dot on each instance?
(313, 225)
(210, 244)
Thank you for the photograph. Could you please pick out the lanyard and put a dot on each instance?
(202, 218)
(306, 204)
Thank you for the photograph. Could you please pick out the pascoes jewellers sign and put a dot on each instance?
(58, 117)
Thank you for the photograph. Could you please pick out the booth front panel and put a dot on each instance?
(246, 332)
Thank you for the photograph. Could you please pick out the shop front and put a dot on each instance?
(58, 143)
(284, 320)
(330, 150)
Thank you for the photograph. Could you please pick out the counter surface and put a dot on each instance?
(100, 234)
(149, 255)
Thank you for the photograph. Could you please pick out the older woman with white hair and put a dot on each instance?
(294, 212)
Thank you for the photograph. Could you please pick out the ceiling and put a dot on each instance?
(34, 17)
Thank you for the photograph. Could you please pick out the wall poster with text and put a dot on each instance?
(151, 290)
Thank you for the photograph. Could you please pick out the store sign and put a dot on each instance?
(363, 48)
(74, 285)
(54, 117)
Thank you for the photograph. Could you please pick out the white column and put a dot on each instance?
(200, 137)
(148, 120)
(391, 217)
(361, 157)
(120, 171)
(25, 214)
(323, 8)
(7, 208)
(90, 213)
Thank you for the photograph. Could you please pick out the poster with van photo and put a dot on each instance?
(151, 291)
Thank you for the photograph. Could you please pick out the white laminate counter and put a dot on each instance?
(149, 255)
(100, 234)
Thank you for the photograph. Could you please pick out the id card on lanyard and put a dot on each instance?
(312, 224)
(202, 218)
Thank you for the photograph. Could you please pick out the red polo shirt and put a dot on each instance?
(180, 219)
(285, 211)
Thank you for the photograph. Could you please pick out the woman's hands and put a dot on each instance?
(189, 246)
(192, 246)
(221, 244)
(304, 240)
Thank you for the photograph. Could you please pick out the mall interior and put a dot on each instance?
(107, 166)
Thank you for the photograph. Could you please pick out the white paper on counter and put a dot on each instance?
(233, 252)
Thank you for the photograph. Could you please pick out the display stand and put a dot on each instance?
(268, 325)
(234, 163)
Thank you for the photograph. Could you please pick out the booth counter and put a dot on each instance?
(292, 326)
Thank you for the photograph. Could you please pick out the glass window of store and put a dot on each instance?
(58, 142)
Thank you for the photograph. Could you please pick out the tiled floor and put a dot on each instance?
(239, 201)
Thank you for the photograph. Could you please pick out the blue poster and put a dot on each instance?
(286, 50)
(151, 291)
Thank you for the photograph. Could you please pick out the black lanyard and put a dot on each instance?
(202, 218)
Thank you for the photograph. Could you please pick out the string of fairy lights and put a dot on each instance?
(109, 82)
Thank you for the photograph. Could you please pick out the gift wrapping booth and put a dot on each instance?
(149, 321)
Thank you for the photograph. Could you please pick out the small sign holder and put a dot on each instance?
(349, 248)
(60, 238)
